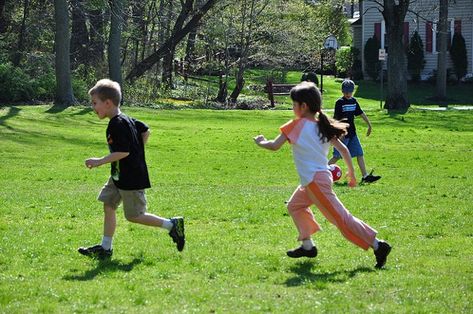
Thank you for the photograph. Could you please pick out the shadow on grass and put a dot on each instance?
(12, 112)
(105, 266)
(82, 112)
(56, 109)
(305, 275)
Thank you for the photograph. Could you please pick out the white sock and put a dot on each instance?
(375, 244)
(107, 242)
(167, 224)
(307, 244)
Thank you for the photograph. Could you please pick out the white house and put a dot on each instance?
(422, 17)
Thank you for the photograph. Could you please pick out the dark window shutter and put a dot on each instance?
(377, 31)
(428, 36)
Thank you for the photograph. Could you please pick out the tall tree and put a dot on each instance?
(64, 93)
(3, 22)
(21, 38)
(394, 13)
(177, 34)
(80, 34)
(442, 28)
(96, 42)
(114, 41)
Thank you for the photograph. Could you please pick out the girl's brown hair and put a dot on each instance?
(307, 92)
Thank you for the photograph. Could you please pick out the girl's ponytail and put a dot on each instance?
(329, 128)
(308, 93)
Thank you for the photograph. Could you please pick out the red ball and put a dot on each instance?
(336, 172)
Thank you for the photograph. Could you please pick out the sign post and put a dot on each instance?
(381, 57)
(330, 43)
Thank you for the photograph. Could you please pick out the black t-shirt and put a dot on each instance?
(124, 135)
(347, 109)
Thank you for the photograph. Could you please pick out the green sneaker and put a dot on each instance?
(177, 232)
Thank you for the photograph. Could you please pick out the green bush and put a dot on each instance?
(15, 85)
(344, 61)
(458, 55)
(415, 57)
(372, 64)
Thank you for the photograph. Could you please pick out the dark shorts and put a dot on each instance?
(354, 146)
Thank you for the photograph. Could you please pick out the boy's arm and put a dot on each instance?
(346, 158)
(145, 136)
(275, 144)
(365, 118)
(96, 162)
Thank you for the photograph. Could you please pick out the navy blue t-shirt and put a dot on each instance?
(124, 135)
(347, 109)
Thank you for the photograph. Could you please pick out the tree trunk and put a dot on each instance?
(21, 38)
(176, 36)
(441, 85)
(169, 53)
(114, 42)
(240, 82)
(396, 98)
(191, 45)
(80, 35)
(96, 43)
(3, 20)
(64, 94)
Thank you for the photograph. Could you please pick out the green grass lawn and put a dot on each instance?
(367, 92)
(204, 165)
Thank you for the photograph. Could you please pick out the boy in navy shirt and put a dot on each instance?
(346, 108)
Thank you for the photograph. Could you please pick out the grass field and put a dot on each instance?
(367, 92)
(204, 165)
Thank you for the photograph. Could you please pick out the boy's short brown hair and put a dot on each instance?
(107, 89)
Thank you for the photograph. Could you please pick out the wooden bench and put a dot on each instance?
(277, 90)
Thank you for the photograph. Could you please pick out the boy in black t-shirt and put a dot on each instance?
(126, 138)
(346, 108)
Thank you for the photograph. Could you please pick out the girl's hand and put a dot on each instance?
(260, 138)
(351, 180)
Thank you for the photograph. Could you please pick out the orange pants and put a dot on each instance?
(320, 193)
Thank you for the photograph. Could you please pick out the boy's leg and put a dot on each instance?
(134, 206)
(321, 193)
(333, 160)
(361, 164)
(109, 220)
(110, 196)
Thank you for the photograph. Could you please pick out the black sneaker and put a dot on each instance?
(382, 253)
(301, 252)
(96, 251)
(370, 178)
(177, 232)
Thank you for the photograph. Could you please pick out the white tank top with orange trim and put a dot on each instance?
(309, 151)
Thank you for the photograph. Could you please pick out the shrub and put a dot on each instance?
(372, 64)
(458, 55)
(344, 61)
(15, 85)
(415, 57)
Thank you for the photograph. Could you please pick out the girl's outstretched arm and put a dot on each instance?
(347, 159)
(275, 144)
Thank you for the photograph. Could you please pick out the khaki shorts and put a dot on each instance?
(134, 201)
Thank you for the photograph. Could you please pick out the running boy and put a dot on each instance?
(126, 138)
(310, 136)
(346, 108)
